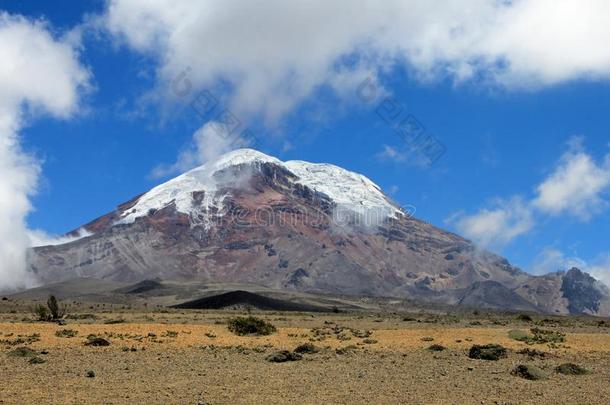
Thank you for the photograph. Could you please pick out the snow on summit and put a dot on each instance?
(349, 191)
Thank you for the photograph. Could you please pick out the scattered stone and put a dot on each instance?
(487, 352)
(529, 372)
(283, 356)
(571, 369)
(90, 374)
(533, 353)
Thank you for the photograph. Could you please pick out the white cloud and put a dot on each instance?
(600, 268)
(38, 75)
(553, 260)
(576, 186)
(39, 237)
(393, 154)
(497, 226)
(274, 54)
(209, 142)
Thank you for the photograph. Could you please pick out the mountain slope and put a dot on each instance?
(248, 217)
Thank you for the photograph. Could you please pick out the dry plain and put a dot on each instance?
(190, 357)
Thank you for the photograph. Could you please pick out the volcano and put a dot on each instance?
(247, 217)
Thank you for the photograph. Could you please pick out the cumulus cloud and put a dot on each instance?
(274, 54)
(577, 185)
(39, 74)
(209, 142)
(552, 260)
(39, 237)
(497, 226)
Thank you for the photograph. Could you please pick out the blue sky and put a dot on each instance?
(502, 140)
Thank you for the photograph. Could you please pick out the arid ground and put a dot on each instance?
(190, 357)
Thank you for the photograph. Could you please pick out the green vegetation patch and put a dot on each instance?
(250, 325)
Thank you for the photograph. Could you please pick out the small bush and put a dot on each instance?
(306, 348)
(42, 313)
(529, 372)
(22, 352)
(250, 326)
(519, 335)
(532, 353)
(369, 341)
(283, 356)
(37, 360)
(96, 341)
(66, 333)
(346, 349)
(90, 374)
(571, 369)
(547, 336)
(537, 336)
(436, 348)
(114, 321)
(524, 318)
(54, 308)
(52, 312)
(427, 339)
(170, 334)
(487, 352)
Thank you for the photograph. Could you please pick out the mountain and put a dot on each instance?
(251, 218)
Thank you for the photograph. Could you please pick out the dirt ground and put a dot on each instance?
(186, 357)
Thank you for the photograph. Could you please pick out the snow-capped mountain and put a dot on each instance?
(248, 217)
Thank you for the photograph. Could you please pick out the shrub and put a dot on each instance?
(54, 308)
(537, 336)
(52, 312)
(283, 356)
(37, 360)
(529, 372)
(114, 321)
(427, 339)
(487, 352)
(250, 326)
(519, 335)
(306, 348)
(66, 333)
(547, 336)
(524, 318)
(436, 348)
(93, 340)
(532, 353)
(22, 352)
(42, 313)
(571, 369)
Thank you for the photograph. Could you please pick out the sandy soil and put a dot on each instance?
(200, 360)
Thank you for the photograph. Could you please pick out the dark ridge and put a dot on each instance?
(142, 287)
(494, 295)
(245, 298)
(581, 291)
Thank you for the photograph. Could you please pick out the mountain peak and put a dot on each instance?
(349, 192)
